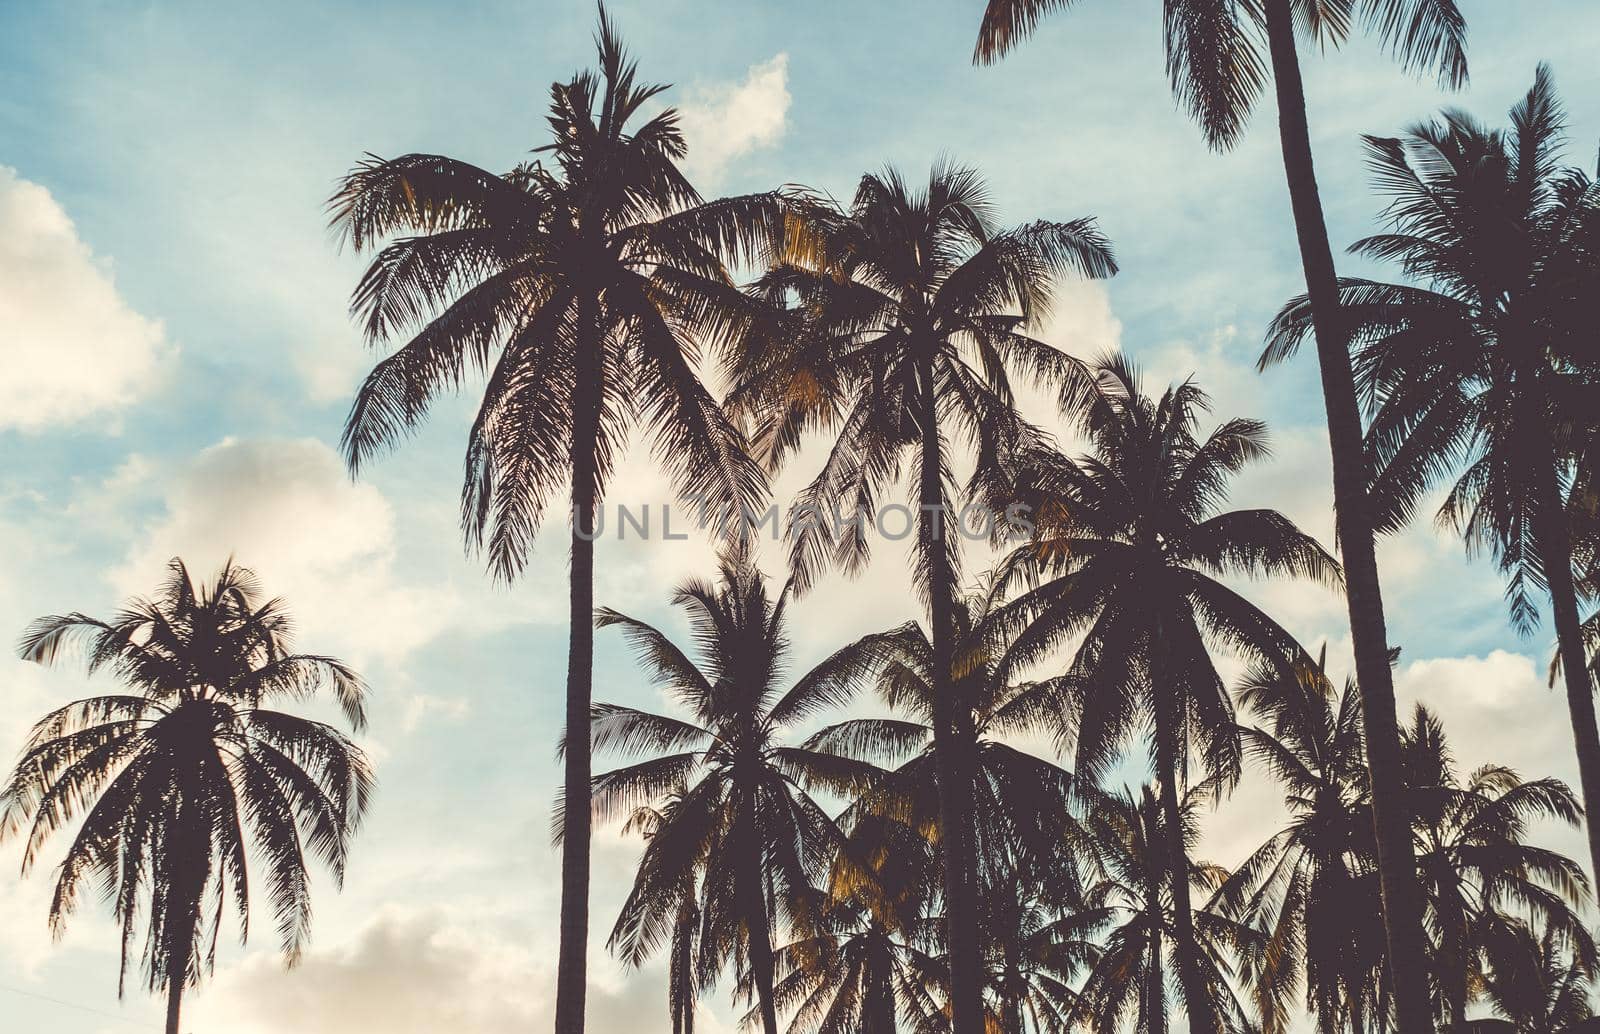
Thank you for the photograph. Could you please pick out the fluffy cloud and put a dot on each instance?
(726, 121)
(72, 348)
(410, 972)
(327, 545)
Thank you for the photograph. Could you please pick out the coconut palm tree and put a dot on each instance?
(1312, 887)
(1037, 937)
(1132, 898)
(683, 983)
(584, 290)
(1124, 562)
(861, 959)
(179, 779)
(1476, 864)
(742, 823)
(1022, 802)
(1536, 979)
(1218, 74)
(1484, 370)
(909, 308)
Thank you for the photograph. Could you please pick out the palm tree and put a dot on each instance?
(1125, 559)
(861, 961)
(168, 777)
(1476, 864)
(1537, 980)
(1022, 802)
(741, 823)
(583, 291)
(911, 308)
(1036, 940)
(683, 981)
(1132, 898)
(1486, 370)
(1312, 887)
(1218, 73)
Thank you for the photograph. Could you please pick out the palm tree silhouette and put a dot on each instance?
(1312, 887)
(1126, 554)
(1486, 369)
(742, 822)
(1475, 862)
(1132, 898)
(584, 291)
(1022, 802)
(860, 960)
(181, 778)
(1037, 938)
(910, 308)
(1538, 979)
(1218, 74)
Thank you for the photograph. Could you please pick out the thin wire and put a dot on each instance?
(70, 1005)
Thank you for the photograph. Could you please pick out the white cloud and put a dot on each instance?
(71, 347)
(287, 510)
(725, 121)
(410, 972)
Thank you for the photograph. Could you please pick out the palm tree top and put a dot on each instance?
(1215, 49)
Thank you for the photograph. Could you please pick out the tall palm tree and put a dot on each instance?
(1218, 73)
(683, 978)
(1485, 369)
(1476, 863)
(1312, 887)
(584, 291)
(1537, 980)
(742, 823)
(910, 308)
(1132, 898)
(1125, 560)
(861, 959)
(177, 780)
(1022, 802)
(1036, 940)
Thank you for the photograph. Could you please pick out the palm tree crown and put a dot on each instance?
(742, 825)
(1128, 546)
(179, 779)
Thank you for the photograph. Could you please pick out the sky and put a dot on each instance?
(176, 361)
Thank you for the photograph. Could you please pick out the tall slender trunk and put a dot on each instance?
(174, 1003)
(754, 905)
(951, 767)
(1196, 993)
(1555, 549)
(878, 1011)
(572, 963)
(1363, 595)
(1155, 984)
(1452, 961)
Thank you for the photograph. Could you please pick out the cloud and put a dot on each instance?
(71, 347)
(418, 972)
(327, 545)
(723, 122)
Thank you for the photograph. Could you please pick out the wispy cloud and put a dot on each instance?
(726, 121)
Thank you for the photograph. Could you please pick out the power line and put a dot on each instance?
(69, 1005)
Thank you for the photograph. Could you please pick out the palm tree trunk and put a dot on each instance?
(1555, 549)
(1452, 960)
(953, 773)
(753, 903)
(1196, 994)
(1363, 595)
(1155, 984)
(174, 1003)
(571, 967)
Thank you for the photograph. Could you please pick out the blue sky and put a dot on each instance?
(175, 363)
